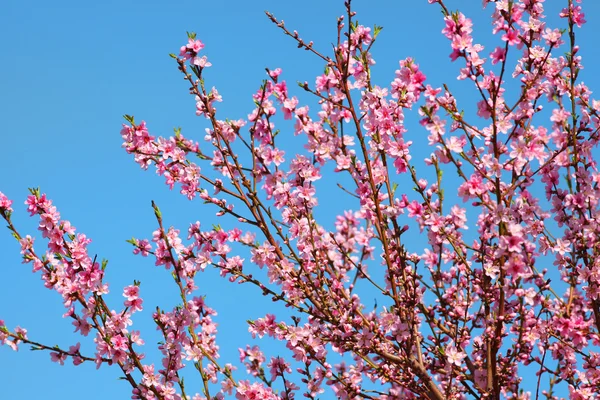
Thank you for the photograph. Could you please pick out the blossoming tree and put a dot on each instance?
(465, 314)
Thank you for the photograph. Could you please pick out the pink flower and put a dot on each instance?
(559, 115)
(191, 49)
(201, 62)
(20, 332)
(498, 55)
(131, 293)
(562, 246)
(274, 73)
(26, 244)
(454, 356)
(58, 357)
(195, 45)
(484, 109)
(143, 247)
(456, 144)
(575, 13)
(552, 37)
(512, 37)
(119, 342)
(5, 203)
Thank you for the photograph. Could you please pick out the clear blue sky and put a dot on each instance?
(71, 69)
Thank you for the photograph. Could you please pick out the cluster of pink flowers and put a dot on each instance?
(190, 52)
(467, 314)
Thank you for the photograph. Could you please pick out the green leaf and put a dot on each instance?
(156, 210)
(35, 191)
(376, 31)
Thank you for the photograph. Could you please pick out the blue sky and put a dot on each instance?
(71, 69)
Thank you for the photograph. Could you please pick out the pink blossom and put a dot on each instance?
(5, 203)
(201, 62)
(58, 357)
(562, 246)
(454, 356)
(498, 55)
(505, 201)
